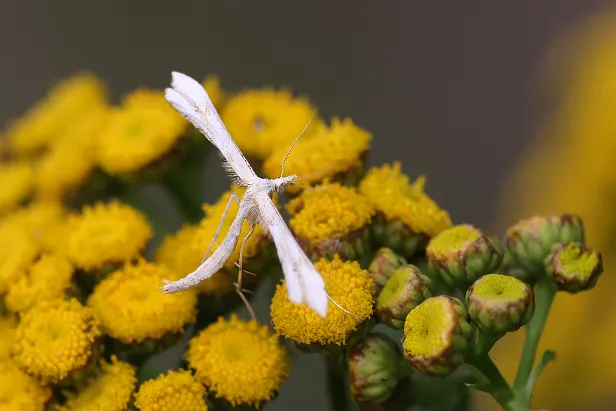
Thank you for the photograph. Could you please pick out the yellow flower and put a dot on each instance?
(8, 328)
(347, 284)
(17, 181)
(262, 120)
(19, 391)
(241, 361)
(49, 278)
(144, 129)
(43, 220)
(180, 255)
(106, 234)
(207, 228)
(177, 390)
(17, 251)
(110, 391)
(215, 91)
(56, 339)
(52, 117)
(330, 151)
(398, 199)
(132, 307)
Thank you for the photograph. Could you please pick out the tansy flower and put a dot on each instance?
(215, 91)
(241, 361)
(21, 392)
(180, 255)
(348, 285)
(262, 120)
(397, 198)
(8, 328)
(106, 234)
(17, 251)
(17, 181)
(56, 339)
(43, 220)
(110, 391)
(331, 220)
(132, 307)
(177, 390)
(49, 278)
(51, 118)
(336, 151)
(144, 129)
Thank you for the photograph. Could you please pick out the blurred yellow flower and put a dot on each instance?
(144, 129)
(132, 307)
(106, 234)
(347, 284)
(215, 91)
(398, 199)
(241, 361)
(263, 120)
(177, 390)
(17, 251)
(54, 115)
(179, 254)
(43, 220)
(56, 339)
(17, 182)
(19, 391)
(110, 391)
(8, 328)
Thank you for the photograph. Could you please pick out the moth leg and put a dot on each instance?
(217, 233)
(238, 288)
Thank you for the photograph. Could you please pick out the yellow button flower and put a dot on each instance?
(106, 234)
(52, 117)
(141, 131)
(241, 361)
(398, 199)
(17, 251)
(262, 120)
(49, 278)
(332, 151)
(19, 391)
(132, 307)
(8, 328)
(56, 339)
(348, 285)
(42, 219)
(177, 390)
(17, 182)
(110, 391)
(179, 254)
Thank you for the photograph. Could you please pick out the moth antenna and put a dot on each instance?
(293, 145)
(308, 187)
(343, 309)
(316, 172)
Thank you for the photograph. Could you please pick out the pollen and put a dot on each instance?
(241, 361)
(177, 390)
(348, 285)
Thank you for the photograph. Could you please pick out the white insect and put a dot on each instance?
(304, 283)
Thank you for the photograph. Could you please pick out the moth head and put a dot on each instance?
(281, 183)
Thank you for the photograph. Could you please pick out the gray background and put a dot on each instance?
(450, 89)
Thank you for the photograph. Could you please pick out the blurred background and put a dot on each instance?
(504, 106)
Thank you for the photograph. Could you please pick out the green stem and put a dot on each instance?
(184, 185)
(508, 398)
(545, 296)
(337, 385)
(545, 359)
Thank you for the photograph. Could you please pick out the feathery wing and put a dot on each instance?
(304, 283)
(189, 97)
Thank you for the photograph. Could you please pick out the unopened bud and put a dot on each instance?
(574, 267)
(383, 265)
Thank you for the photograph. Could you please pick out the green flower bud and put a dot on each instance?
(463, 253)
(397, 236)
(373, 369)
(384, 263)
(530, 240)
(405, 290)
(500, 303)
(437, 335)
(574, 267)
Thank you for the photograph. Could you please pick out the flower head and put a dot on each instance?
(176, 390)
(262, 120)
(21, 392)
(132, 308)
(56, 339)
(17, 181)
(180, 255)
(335, 151)
(111, 390)
(141, 131)
(18, 249)
(241, 361)
(398, 199)
(574, 267)
(48, 278)
(384, 263)
(51, 118)
(43, 220)
(347, 284)
(8, 328)
(106, 234)
(331, 220)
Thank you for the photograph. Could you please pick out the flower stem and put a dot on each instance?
(545, 296)
(337, 385)
(508, 398)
